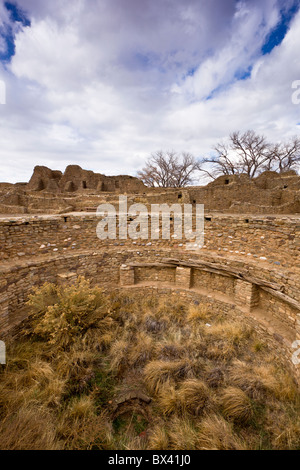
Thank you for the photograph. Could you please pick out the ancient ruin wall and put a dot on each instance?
(276, 317)
(76, 189)
(275, 240)
(250, 265)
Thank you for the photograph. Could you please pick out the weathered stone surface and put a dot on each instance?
(249, 264)
(269, 193)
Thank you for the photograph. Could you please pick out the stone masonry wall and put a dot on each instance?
(275, 240)
(34, 250)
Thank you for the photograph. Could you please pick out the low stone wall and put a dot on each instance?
(155, 274)
(212, 282)
(270, 239)
(281, 310)
(263, 251)
(103, 268)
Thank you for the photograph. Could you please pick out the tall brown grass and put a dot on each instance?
(206, 387)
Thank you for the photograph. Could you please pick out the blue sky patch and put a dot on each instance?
(243, 74)
(277, 35)
(7, 32)
(16, 14)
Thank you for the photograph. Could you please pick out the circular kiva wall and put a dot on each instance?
(257, 278)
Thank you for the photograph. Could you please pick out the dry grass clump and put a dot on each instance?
(182, 433)
(220, 351)
(157, 373)
(260, 380)
(172, 309)
(233, 332)
(143, 350)
(118, 355)
(191, 397)
(277, 382)
(78, 378)
(81, 407)
(227, 339)
(198, 313)
(288, 435)
(243, 376)
(236, 405)
(168, 400)
(158, 438)
(81, 428)
(215, 433)
(29, 428)
(37, 381)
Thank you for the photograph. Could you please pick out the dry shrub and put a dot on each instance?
(217, 434)
(236, 405)
(76, 309)
(42, 298)
(55, 384)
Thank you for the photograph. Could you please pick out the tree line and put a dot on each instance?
(244, 153)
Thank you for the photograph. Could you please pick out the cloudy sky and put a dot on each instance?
(103, 83)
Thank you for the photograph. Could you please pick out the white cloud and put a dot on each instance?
(103, 85)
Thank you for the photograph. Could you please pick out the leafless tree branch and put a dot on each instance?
(168, 169)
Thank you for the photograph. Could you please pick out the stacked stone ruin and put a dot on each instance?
(249, 264)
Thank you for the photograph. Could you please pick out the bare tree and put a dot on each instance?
(221, 164)
(251, 153)
(168, 169)
(285, 156)
(247, 153)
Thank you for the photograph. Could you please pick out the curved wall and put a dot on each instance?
(263, 291)
(250, 237)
